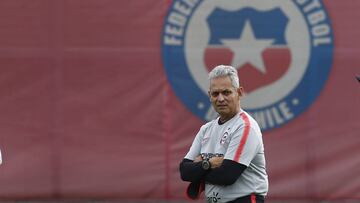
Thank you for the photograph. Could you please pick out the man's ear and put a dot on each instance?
(240, 91)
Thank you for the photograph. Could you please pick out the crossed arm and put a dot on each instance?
(222, 172)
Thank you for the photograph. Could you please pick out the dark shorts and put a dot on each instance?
(253, 198)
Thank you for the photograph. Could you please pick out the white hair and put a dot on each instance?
(223, 70)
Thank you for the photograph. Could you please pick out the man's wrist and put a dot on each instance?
(205, 164)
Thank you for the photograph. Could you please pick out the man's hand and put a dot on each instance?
(198, 159)
(216, 161)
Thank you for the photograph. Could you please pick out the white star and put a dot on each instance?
(248, 49)
(200, 105)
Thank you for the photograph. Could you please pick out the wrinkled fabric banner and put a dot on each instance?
(90, 108)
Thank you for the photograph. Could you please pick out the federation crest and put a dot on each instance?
(281, 49)
(223, 138)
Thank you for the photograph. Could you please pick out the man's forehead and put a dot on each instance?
(221, 89)
(221, 83)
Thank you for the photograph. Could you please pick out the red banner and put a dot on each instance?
(102, 99)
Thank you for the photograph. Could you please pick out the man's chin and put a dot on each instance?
(222, 111)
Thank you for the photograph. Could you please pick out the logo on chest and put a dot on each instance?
(224, 138)
(205, 139)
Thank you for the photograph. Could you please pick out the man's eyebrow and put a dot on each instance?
(221, 90)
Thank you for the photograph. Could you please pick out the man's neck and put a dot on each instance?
(224, 119)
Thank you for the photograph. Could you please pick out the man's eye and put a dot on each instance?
(226, 92)
(214, 94)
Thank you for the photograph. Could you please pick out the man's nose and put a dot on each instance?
(220, 97)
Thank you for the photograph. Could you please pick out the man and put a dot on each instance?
(227, 154)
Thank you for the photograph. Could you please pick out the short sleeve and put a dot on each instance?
(195, 148)
(243, 146)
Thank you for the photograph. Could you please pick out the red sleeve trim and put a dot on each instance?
(244, 137)
(253, 198)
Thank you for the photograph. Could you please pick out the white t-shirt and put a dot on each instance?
(239, 139)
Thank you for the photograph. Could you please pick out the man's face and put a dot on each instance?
(224, 97)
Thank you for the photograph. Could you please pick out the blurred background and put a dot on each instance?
(101, 99)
